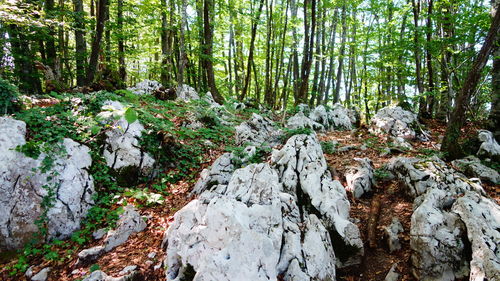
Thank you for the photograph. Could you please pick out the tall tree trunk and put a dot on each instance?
(430, 69)
(208, 30)
(332, 57)
(251, 51)
(182, 47)
(341, 55)
(50, 42)
(450, 143)
(80, 44)
(121, 45)
(307, 56)
(164, 72)
(96, 42)
(494, 117)
(418, 76)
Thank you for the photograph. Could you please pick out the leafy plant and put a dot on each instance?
(8, 96)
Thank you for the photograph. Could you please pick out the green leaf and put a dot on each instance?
(130, 115)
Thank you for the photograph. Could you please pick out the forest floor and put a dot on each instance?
(376, 263)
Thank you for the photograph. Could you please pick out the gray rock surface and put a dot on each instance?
(471, 166)
(394, 121)
(360, 178)
(337, 118)
(22, 187)
(257, 131)
(99, 275)
(265, 222)
(489, 147)
(300, 121)
(145, 87)
(392, 275)
(130, 222)
(481, 216)
(122, 151)
(42, 275)
(187, 93)
(451, 214)
(392, 234)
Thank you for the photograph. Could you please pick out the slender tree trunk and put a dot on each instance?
(164, 72)
(251, 51)
(121, 45)
(80, 44)
(450, 143)
(430, 69)
(332, 57)
(208, 11)
(341, 55)
(307, 57)
(96, 42)
(418, 76)
(182, 47)
(494, 117)
(50, 42)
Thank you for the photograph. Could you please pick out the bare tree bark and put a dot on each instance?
(80, 44)
(208, 31)
(96, 42)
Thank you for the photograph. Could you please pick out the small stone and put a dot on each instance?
(149, 263)
(75, 272)
(90, 254)
(29, 272)
(158, 266)
(392, 275)
(392, 232)
(42, 275)
(128, 269)
(152, 255)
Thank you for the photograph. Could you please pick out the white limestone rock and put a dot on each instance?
(396, 122)
(471, 166)
(360, 178)
(303, 171)
(391, 233)
(336, 118)
(122, 151)
(42, 275)
(489, 147)
(187, 93)
(300, 121)
(257, 131)
(146, 87)
(392, 275)
(22, 187)
(481, 216)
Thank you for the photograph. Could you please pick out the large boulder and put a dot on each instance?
(257, 130)
(336, 118)
(360, 178)
(284, 220)
(395, 121)
(471, 166)
(489, 147)
(122, 151)
(145, 87)
(300, 121)
(25, 183)
(304, 173)
(452, 217)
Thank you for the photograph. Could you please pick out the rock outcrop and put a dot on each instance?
(24, 183)
(257, 130)
(360, 178)
(452, 218)
(287, 218)
(396, 122)
(122, 151)
(489, 147)
(146, 87)
(472, 167)
(321, 118)
(187, 93)
(300, 121)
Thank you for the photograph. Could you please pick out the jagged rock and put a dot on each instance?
(471, 166)
(347, 148)
(219, 174)
(187, 93)
(391, 232)
(145, 87)
(300, 121)
(436, 239)
(401, 143)
(304, 108)
(98, 234)
(419, 175)
(395, 121)
(303, 170)
(489, 147)
(342, 118)
(438, 234)
(23, 187)
(481, 216)
(122, 151)
(130, 222)
(354, 116)
(128, 269)
(257, 131)
(360, 178)
(42, 275)
(392, 275)
(335, 119)
(99, 275)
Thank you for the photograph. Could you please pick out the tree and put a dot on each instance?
(96, 42)
(80, 44)
(208, 32)
(450, 143)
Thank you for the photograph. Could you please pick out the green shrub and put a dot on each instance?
(8, 97)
